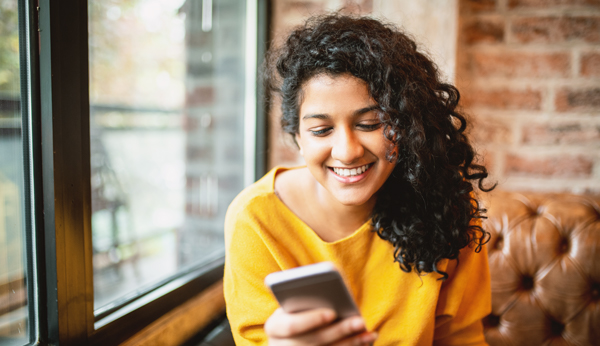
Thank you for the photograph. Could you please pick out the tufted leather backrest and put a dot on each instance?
(544, 257)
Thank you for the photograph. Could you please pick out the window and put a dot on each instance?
(17, 303)
(167, 109)
(126, 128)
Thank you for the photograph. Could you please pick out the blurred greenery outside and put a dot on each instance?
(9, 52)
(137, 53)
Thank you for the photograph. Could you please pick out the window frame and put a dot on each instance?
(61, 292)
(30, 136)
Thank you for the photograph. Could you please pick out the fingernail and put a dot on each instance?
(329, 315)
(369, 337)
(358, 324)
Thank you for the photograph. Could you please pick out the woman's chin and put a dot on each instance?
(351, 200)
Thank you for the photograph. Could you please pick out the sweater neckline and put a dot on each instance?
(311, 233)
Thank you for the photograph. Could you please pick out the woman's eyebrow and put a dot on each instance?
(354, 114)
(365, 110)
(316, 116)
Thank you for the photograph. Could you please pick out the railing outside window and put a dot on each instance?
(167, 97)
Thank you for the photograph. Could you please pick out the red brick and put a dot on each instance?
(303, 7)
(573, 133)
(189, 208)
(546, 3)
(358, 6)
(590, 65)
(200, 96)
(556, 29)
(284, 155)
(190, 123)
(474, 6)
(197, 38)
(483, 31)
(507, 64)
(199, 153)
(557, 166)
(504, 99)
(489, 162)
(578, 100)
(486, 159)
(487, 131)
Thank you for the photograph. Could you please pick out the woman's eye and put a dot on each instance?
(320, 132)
(369, 127)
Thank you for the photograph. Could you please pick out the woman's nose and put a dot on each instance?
(347, 148)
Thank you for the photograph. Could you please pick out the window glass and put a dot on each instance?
(167, 136)
(13, 289)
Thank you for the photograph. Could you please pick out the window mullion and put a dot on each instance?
(30, 125)
(66, 170)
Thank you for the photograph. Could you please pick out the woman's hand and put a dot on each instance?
(315, 327)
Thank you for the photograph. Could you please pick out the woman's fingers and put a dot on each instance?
(284, 325)
(366, 338)
(314, 328)
(335, 332)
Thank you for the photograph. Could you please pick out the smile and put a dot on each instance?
(351, 172)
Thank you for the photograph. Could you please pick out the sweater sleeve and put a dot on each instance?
(247, 261)
(465, 298)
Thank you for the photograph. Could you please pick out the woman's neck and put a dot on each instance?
(317, 208)
(334, 219)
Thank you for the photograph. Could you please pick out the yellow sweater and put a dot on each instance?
(263, 236)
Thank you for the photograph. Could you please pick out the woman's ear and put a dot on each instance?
(393, 154)
(297, 140)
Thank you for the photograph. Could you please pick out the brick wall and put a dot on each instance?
(529, 73)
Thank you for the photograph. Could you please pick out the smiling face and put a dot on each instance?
(341, 138)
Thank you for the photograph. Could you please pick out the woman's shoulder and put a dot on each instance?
(288, 183)
(257, 212)
(262, 195)
(254, 195)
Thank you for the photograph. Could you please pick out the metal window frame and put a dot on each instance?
(60, 135)
(30, 135)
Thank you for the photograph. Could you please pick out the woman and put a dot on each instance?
(386, 195)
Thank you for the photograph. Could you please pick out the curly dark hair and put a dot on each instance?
(427, 206)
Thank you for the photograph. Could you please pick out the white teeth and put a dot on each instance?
(344, 172)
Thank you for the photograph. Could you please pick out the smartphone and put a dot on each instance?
(313, 286)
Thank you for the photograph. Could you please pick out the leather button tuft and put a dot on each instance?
(537, 211)
(597, 212)
(540, 210)
(527, 283)
(557, 327)
(595, 291)
(491, 321)
(499, 243)
(564, 246)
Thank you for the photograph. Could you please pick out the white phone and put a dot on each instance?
(313, 286)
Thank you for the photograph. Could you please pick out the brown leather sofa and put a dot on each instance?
(545, 264)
